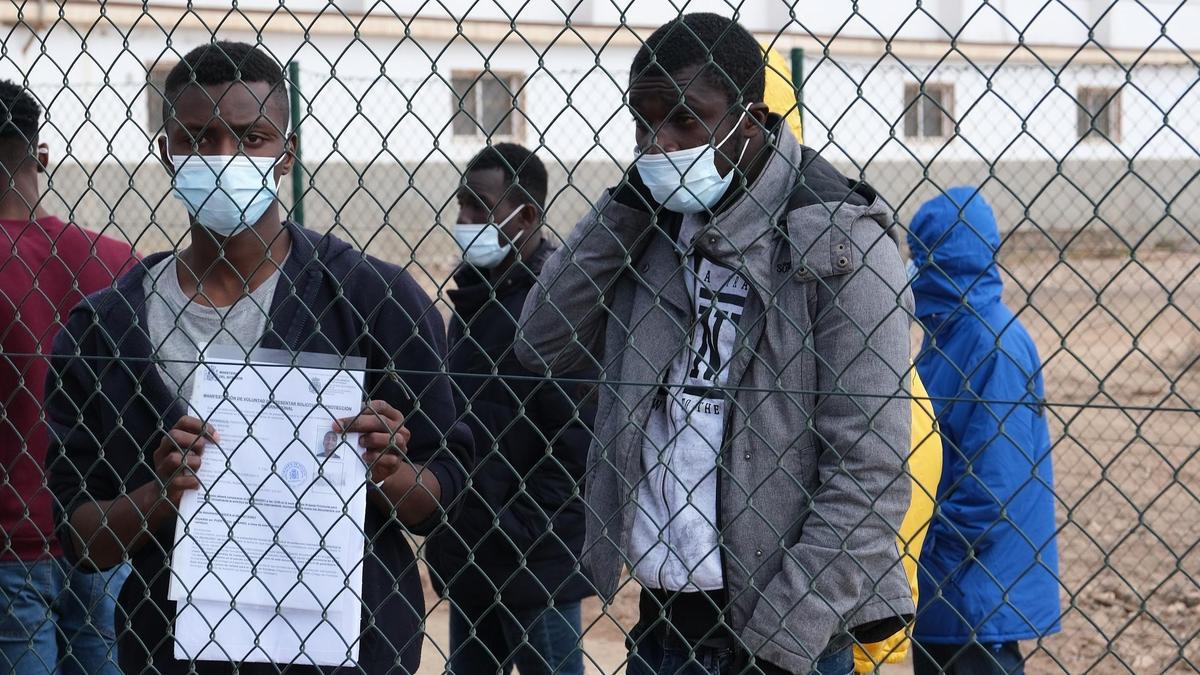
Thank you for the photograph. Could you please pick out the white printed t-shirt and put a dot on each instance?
(675, 534)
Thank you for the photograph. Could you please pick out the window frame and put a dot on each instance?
(1091, 133)
(916, 97)
(515, 80)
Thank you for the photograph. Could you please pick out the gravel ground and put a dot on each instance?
(1121, 346)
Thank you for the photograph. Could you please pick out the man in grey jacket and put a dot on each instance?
(748, 310)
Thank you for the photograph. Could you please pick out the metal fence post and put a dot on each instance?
(798, 83)
(298, 166)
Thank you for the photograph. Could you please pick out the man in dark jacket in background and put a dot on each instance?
(510, 565)
(989, 568)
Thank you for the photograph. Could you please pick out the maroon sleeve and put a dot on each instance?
(100, 261)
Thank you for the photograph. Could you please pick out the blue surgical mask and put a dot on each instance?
(224, 193)
(481, 242)
(687, 181)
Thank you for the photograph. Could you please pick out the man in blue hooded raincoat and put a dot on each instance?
(989, 569)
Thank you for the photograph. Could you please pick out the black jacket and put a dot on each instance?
(109, 407)
(518, 535)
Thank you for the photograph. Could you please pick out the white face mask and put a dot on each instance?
(687, 181)
(225, 193)
(480, 243)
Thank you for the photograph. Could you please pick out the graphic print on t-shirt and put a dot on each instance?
(718, 309)
(675, 536)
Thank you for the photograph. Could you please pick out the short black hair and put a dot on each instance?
(223, 62)
(738, 62)
(521, 168)
(20, 118)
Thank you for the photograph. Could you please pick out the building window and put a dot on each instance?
(156, 81)
(1099, 114)
(489, 103)
(928, 110)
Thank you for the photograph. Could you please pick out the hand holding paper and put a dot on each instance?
(382, 434)
(177, 458)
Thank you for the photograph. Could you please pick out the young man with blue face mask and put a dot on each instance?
(518, 534)
(747, 305)
(123, 448)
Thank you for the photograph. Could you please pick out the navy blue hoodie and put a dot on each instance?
(989, 567)
(108, 409)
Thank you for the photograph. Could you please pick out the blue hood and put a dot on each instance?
(953, 241)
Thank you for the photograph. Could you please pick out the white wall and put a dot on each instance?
(1125, 23)
(402, 89)
(1013, 112)
(366, 93)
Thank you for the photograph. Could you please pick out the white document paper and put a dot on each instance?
(267, 563)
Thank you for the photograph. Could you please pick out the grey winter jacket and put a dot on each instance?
(812, 482)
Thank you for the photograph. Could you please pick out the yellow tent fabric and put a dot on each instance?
(780, 94)
(925, 462)
(925, 469)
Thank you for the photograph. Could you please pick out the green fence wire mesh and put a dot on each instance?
(722, 397)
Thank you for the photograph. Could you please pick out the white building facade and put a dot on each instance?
(1072, 114)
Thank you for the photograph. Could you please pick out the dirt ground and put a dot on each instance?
(1121, 347)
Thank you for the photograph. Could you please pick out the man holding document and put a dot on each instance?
(191, 410)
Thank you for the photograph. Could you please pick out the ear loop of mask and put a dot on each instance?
(745, 146)
(499, 226)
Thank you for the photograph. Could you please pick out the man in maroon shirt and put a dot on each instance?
(46, 267)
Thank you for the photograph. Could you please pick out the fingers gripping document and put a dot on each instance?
(267, 563)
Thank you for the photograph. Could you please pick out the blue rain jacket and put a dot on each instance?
(989, 569)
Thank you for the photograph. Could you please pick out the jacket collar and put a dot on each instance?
(122, 313)
(310, 253)
(746, 226)
(743, 234)
(740, 236)
(475, 287)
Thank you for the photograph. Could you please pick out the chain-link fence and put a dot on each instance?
(717, 381)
